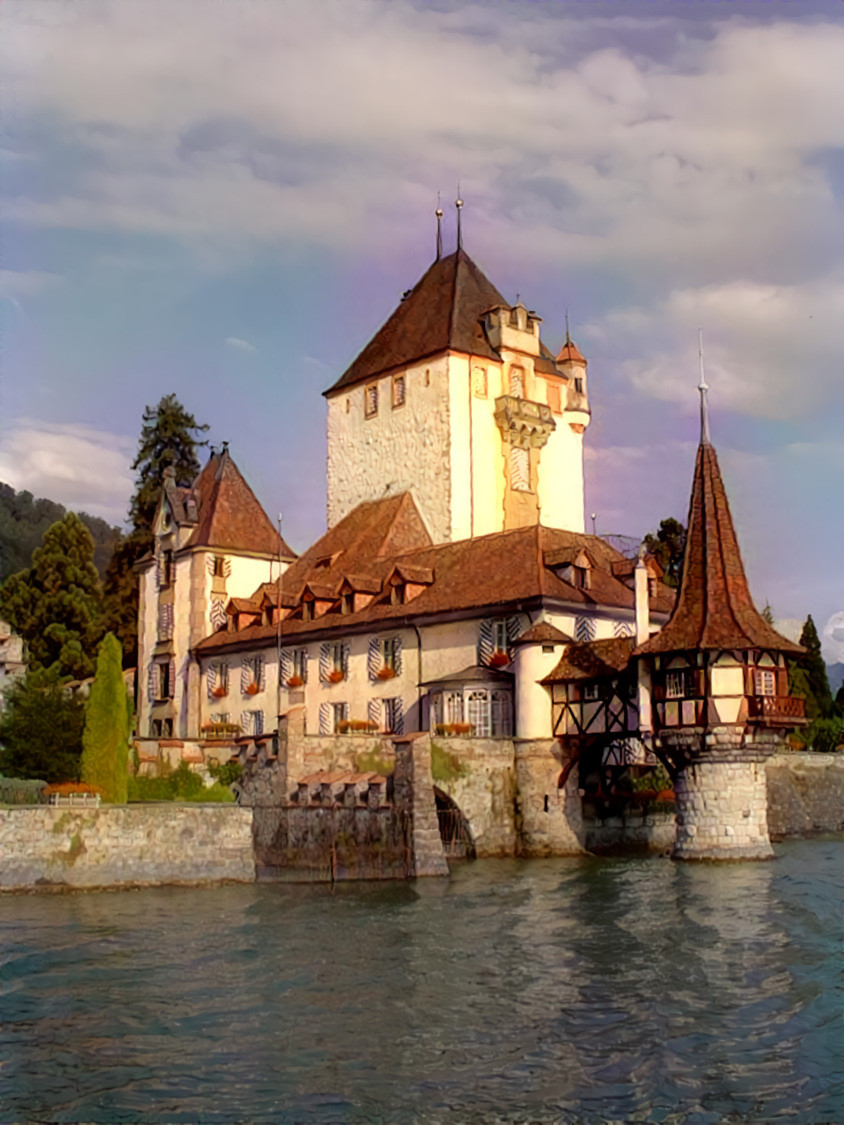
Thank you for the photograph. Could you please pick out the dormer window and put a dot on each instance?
(399, 390)
(582, 577)
(347, 603)
(307, 610)
(370, 400)
(397, 594)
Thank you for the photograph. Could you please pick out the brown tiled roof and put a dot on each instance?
(230, 515)
(714, 609)
(570, 351)
(474, 674)
(542, 632)
(589, 660)
(441, 313)
(493, 572)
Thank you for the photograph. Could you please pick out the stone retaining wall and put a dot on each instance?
(805, 794)
(44, 848)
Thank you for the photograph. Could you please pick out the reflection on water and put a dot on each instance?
(551, 990)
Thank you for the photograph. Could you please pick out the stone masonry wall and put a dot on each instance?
(805, 794)
(124, 846)
(722, 811)
(550, 818)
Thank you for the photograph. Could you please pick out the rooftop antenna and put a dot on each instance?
(703, 387)
(458, 203)
(439, 214)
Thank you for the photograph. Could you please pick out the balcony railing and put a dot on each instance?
(787, 710)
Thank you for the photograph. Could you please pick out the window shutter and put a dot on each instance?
(324, 663)
(212, 679)
(374, 710)
(397, 662)
(398, 715)
(516, 624)
(782, 682)
(373, 660)
(245, 673)
(245, 722)
(519, 469)
(485, 641)
(584, 629)
(286, 665)
(217, 613)
(172, 684)
(152, 682)
(325, 718)
(749, 680)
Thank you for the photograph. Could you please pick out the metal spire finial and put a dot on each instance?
(458, 203)
(568, 337)
(703, 387)
(439, 214)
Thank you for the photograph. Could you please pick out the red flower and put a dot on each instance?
(499, 658)
(294, 681)
(386, 673)
(335, 676)
(252, 689)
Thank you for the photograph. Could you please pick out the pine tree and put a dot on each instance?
(105, 741)
(169, 436)
(819, 700)
(56, 604)
(767, 614)
(41, 730)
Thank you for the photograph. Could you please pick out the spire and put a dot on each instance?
(568, 337)
(458, 203)
(439, 214)
(703, 387)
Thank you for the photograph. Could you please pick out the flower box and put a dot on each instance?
(455, 729)
(356, 726)
(336, 676)
(252, 689)
(499, 659)
(295, 681)
(386, 673)
(220, 730)
(220, 691)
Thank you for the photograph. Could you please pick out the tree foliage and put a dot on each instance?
(23, 521)
(819, 702)
(169, 436)
(56, 604)
(41, 730)
(105, 741)
(668, 547)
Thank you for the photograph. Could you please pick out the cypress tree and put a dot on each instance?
(819, 701)
(105, 741)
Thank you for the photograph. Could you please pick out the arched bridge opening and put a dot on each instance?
(454, 828)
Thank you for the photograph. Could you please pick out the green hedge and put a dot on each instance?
(20, 791)
(180, 785)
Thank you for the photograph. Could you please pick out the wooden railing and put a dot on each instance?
(787, 709)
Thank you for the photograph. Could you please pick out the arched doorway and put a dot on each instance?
(454, 829)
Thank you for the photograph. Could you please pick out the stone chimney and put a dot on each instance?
(640, 587)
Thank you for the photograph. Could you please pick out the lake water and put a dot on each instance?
(552, 990)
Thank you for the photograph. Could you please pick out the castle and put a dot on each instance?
(455, 590)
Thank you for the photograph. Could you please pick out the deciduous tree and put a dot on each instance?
(668, 547)
(105, 741)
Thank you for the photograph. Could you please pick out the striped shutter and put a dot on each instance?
(373, 659)
(152, 682)
(209, 564)
(398, 715)
(516, 625)
(485, 641)
(227, 568)
(246, 673)
(286, 665)
(621, 629)
(519, 469)
(397, 665)
(211, 675)
(218, 613)
(324, 663)
(172, 691)
(584, 629)
(374, 711)
(325, 718)
(245, 722)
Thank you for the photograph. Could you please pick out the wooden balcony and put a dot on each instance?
(776, 710)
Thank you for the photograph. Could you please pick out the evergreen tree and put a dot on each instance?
(105, 741)
(41, 730)
(56, 604)
(169, 436)
(668, 547)
(813, 663)
(767, 614)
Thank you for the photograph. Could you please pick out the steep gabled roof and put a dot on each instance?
(441, 313)
(714, 609)
(229, 514)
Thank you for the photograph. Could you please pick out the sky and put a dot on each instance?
(225, 201)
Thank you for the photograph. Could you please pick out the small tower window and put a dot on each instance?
(519, 469)
(399, 390)
(479, 384)
(219, 570)
(517, 382)
(765, 682)
(371, 400)
(578, 386)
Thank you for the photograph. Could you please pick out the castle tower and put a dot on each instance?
(457, 399)
(719, 684)
(213, 541)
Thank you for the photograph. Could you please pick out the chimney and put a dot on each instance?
(640, 587)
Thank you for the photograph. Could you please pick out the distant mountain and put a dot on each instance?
(23, 521)
(835, 675)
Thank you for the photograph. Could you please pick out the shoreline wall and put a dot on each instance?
(805, 794)
(48, 848)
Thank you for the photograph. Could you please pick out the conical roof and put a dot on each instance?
(714, 609)
(442, 312)
(229, 514)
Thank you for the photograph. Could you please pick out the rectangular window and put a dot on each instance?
(399, 390)
(223, 678)
(164, 680)
(454, 707)
(389, 650)
(166, 568)
(500, 711)
(519, 469)
(675, 685)
(339, 714)
(765, 682)
(479, 382)
(578, 386)
(370, 400)
(392, 712)
(256, 723)
(219, 570)
(478, 713)
(591, 691)
(338, 663)
(500, 639)
(300, 664)
(554, 398)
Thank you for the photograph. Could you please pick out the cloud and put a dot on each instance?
(27, 283)
(83, 468)
(239, 345)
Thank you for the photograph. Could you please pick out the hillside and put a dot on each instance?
(23, 521)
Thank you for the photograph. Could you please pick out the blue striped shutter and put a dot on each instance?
(286, 665)
(212, 679)
(324, 662)
(584, 629)
(245, 673)
(485, 641)
(397, 664)
(373, 659)
(398, 715)
(245, 722)
(374, 710)
(325, 718)
(515, 626)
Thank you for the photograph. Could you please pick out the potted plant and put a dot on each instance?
(454, 729)
(295, 681)
(252, 689)
(499, 658)
(336, 676)
(356, 726)
(219, 691)
(386, 673)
